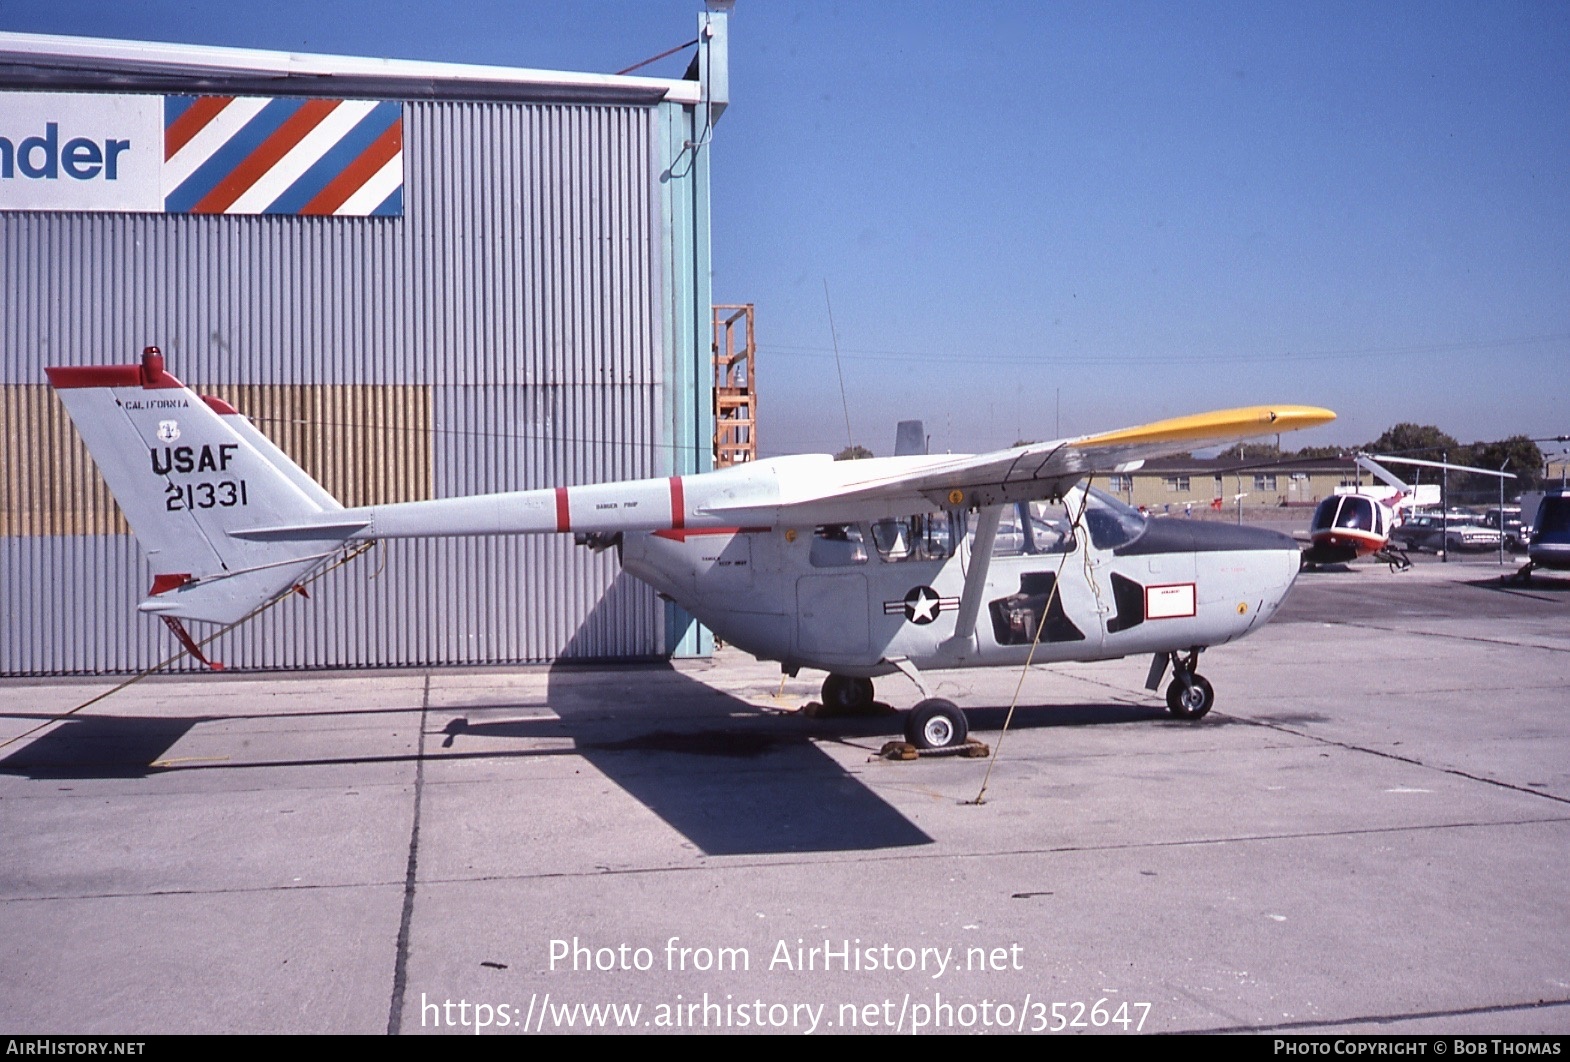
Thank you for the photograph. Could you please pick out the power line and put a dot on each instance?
(833, 335)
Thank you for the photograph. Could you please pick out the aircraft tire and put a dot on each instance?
(936, 724)
(1194, 701)
(844, 695)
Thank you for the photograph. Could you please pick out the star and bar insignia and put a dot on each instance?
(921, 606)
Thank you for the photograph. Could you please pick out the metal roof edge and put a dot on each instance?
(39, 60)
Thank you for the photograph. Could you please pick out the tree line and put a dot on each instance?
(1518, 455)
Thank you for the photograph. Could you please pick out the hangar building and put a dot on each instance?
(420, 279)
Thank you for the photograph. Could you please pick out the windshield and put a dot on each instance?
(1357, 514)
(1553, 516)
(1109, 521)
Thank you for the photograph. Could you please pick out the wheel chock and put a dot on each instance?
(904, 750)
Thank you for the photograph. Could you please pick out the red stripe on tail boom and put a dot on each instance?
(678, 504)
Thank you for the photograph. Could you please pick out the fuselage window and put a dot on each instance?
(837, 546)
(929, 536)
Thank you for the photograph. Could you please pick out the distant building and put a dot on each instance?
(1199, 485)
(1557, 471)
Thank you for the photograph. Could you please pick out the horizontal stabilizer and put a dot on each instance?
(230, 597)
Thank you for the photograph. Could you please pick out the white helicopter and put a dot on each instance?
(860, 568)
(1357, 521)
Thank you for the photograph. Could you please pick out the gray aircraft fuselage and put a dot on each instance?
(865, 599)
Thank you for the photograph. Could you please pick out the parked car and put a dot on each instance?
(1429, 531)
(1412, 532)
(1508, 520)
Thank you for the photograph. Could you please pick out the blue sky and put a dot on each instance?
(1037, 219)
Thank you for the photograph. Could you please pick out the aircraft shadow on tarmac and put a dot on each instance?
(731, 786)
(1541, 588)
(727, 776)
(96, 746)
(734, 779)
(731, 777)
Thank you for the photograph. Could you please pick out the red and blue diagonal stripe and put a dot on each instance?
(255, 155)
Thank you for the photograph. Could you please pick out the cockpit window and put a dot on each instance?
(1048, 526)
(837, 546)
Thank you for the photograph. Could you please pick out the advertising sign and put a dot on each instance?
(66, 151)
(201, 154)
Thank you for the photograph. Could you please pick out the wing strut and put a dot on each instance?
(964, 636)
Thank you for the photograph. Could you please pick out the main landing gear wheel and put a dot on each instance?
(1191, 701)
(844, 695)
(936, 724)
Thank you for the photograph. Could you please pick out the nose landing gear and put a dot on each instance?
(1190, 695)
(1190, 701)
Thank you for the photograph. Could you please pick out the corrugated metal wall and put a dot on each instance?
(508, 332)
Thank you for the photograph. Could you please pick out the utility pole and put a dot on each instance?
(1444, 508)
(1502, 511)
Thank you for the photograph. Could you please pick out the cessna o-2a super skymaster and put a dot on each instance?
(859, 568)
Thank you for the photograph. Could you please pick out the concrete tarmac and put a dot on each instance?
(1369, 834)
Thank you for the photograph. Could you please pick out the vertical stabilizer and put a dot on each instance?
(910, 439)
(188, 471)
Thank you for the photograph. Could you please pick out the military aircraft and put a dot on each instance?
(866, 568)
(1358, 522)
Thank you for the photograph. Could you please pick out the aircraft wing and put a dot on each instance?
(803, 490)
(1039, 470)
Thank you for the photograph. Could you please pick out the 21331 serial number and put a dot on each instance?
(224, 494)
